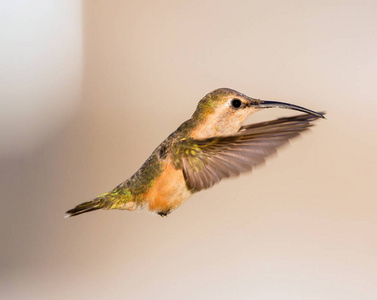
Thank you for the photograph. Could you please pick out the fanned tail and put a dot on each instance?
(85, 207)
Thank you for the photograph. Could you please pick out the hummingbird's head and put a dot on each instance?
(223, 111)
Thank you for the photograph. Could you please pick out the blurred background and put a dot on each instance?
(89, 89)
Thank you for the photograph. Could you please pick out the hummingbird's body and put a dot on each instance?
(210, 146)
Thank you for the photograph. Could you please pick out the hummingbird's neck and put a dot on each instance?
(210, 125)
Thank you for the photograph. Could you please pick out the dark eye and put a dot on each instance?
(236, 103)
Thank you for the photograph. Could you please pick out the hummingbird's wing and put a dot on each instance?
(205, 162)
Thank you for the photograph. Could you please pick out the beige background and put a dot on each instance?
(90, 89)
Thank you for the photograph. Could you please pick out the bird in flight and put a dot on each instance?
(208, 147)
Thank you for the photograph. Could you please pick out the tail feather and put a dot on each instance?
(85, 207)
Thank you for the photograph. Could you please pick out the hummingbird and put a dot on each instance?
(210, 146)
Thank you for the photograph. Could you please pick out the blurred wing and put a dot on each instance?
(206, 162)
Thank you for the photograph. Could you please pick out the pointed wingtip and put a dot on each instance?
(322, 114)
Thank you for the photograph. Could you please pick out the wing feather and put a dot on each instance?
(205, 162)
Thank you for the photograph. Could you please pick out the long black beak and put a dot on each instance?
(271, 104)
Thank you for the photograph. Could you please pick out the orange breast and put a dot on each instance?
(169, 190)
